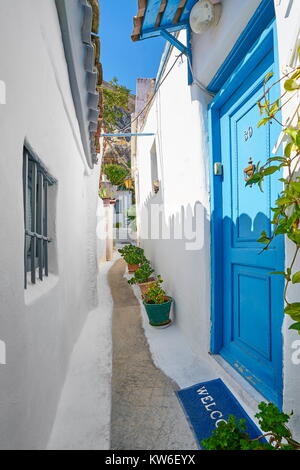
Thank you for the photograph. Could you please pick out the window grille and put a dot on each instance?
(36, 182)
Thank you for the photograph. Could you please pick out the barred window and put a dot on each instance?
(36, 181)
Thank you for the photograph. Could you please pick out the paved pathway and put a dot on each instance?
(145, 412)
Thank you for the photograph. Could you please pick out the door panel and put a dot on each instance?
(252, 297)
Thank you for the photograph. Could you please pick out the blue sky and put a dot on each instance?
(121, 57)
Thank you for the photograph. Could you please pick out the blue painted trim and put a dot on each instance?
(126, 135)
(174, 41)
(155, 32)
(189, 55)
(216, 198)
(234, 75)
(187, 9)
(151, 13)
(169, 12)
(261, 19)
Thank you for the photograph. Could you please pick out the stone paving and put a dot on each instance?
(146, 414)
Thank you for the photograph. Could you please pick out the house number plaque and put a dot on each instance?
(248, 133)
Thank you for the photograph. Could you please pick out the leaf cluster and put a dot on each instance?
(116, 174)
(233, 435)
(286, 212)
(114, 100)
(142, 274)
(155, 294)
(132, 254)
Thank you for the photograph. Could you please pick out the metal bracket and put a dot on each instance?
(174, 41)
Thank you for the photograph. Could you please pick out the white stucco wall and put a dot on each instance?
(179, 117)
(40, 327)
(288, 27)
(181, 136)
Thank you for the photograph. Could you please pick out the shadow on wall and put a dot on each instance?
(179, 249)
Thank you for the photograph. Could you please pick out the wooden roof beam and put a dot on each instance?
(161, 12)
(179, 11)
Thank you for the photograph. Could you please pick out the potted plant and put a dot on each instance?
(142, 277)
(133, 256)
(106, 195)
(158, 305)
(115, 173)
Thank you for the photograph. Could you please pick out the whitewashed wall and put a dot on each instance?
(179, 116)
(288, 27)
(40, 326)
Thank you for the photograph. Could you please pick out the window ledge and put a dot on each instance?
(35, 291)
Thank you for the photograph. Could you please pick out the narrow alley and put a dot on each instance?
(150, 227)
(145, 411)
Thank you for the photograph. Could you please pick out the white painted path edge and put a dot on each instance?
(84, 413)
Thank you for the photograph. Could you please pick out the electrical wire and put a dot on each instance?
(195, 81)
(153, 96)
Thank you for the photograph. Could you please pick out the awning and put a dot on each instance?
(155, 17)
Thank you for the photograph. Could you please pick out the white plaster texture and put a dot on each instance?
(41, 326)
(83, 417)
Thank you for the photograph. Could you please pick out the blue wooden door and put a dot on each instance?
(252, 297)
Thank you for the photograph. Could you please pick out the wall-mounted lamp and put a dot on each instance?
(204, 14)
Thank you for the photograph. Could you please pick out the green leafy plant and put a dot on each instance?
(116, 174)
(142, 274)
(233, 436)
(228, 436)
(132, 254)
(106, 193)
(286, 213)
(155, 294)
(115, 97)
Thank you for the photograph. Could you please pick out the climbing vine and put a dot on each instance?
(286, 213)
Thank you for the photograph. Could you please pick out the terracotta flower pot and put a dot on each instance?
(132, 267)
(144, 286)
(106, 201)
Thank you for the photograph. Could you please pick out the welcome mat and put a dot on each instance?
(207, 404)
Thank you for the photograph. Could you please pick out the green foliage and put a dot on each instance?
(105, 193)
(233, 436)
(286, 213)
(142, 274)
(229, 436)
(271, 419)
(155, 294)
(113, 101)
(132, 254)
(116, 174)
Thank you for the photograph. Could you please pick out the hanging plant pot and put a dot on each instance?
(159, 314)
(132, 267)
(144, 286)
